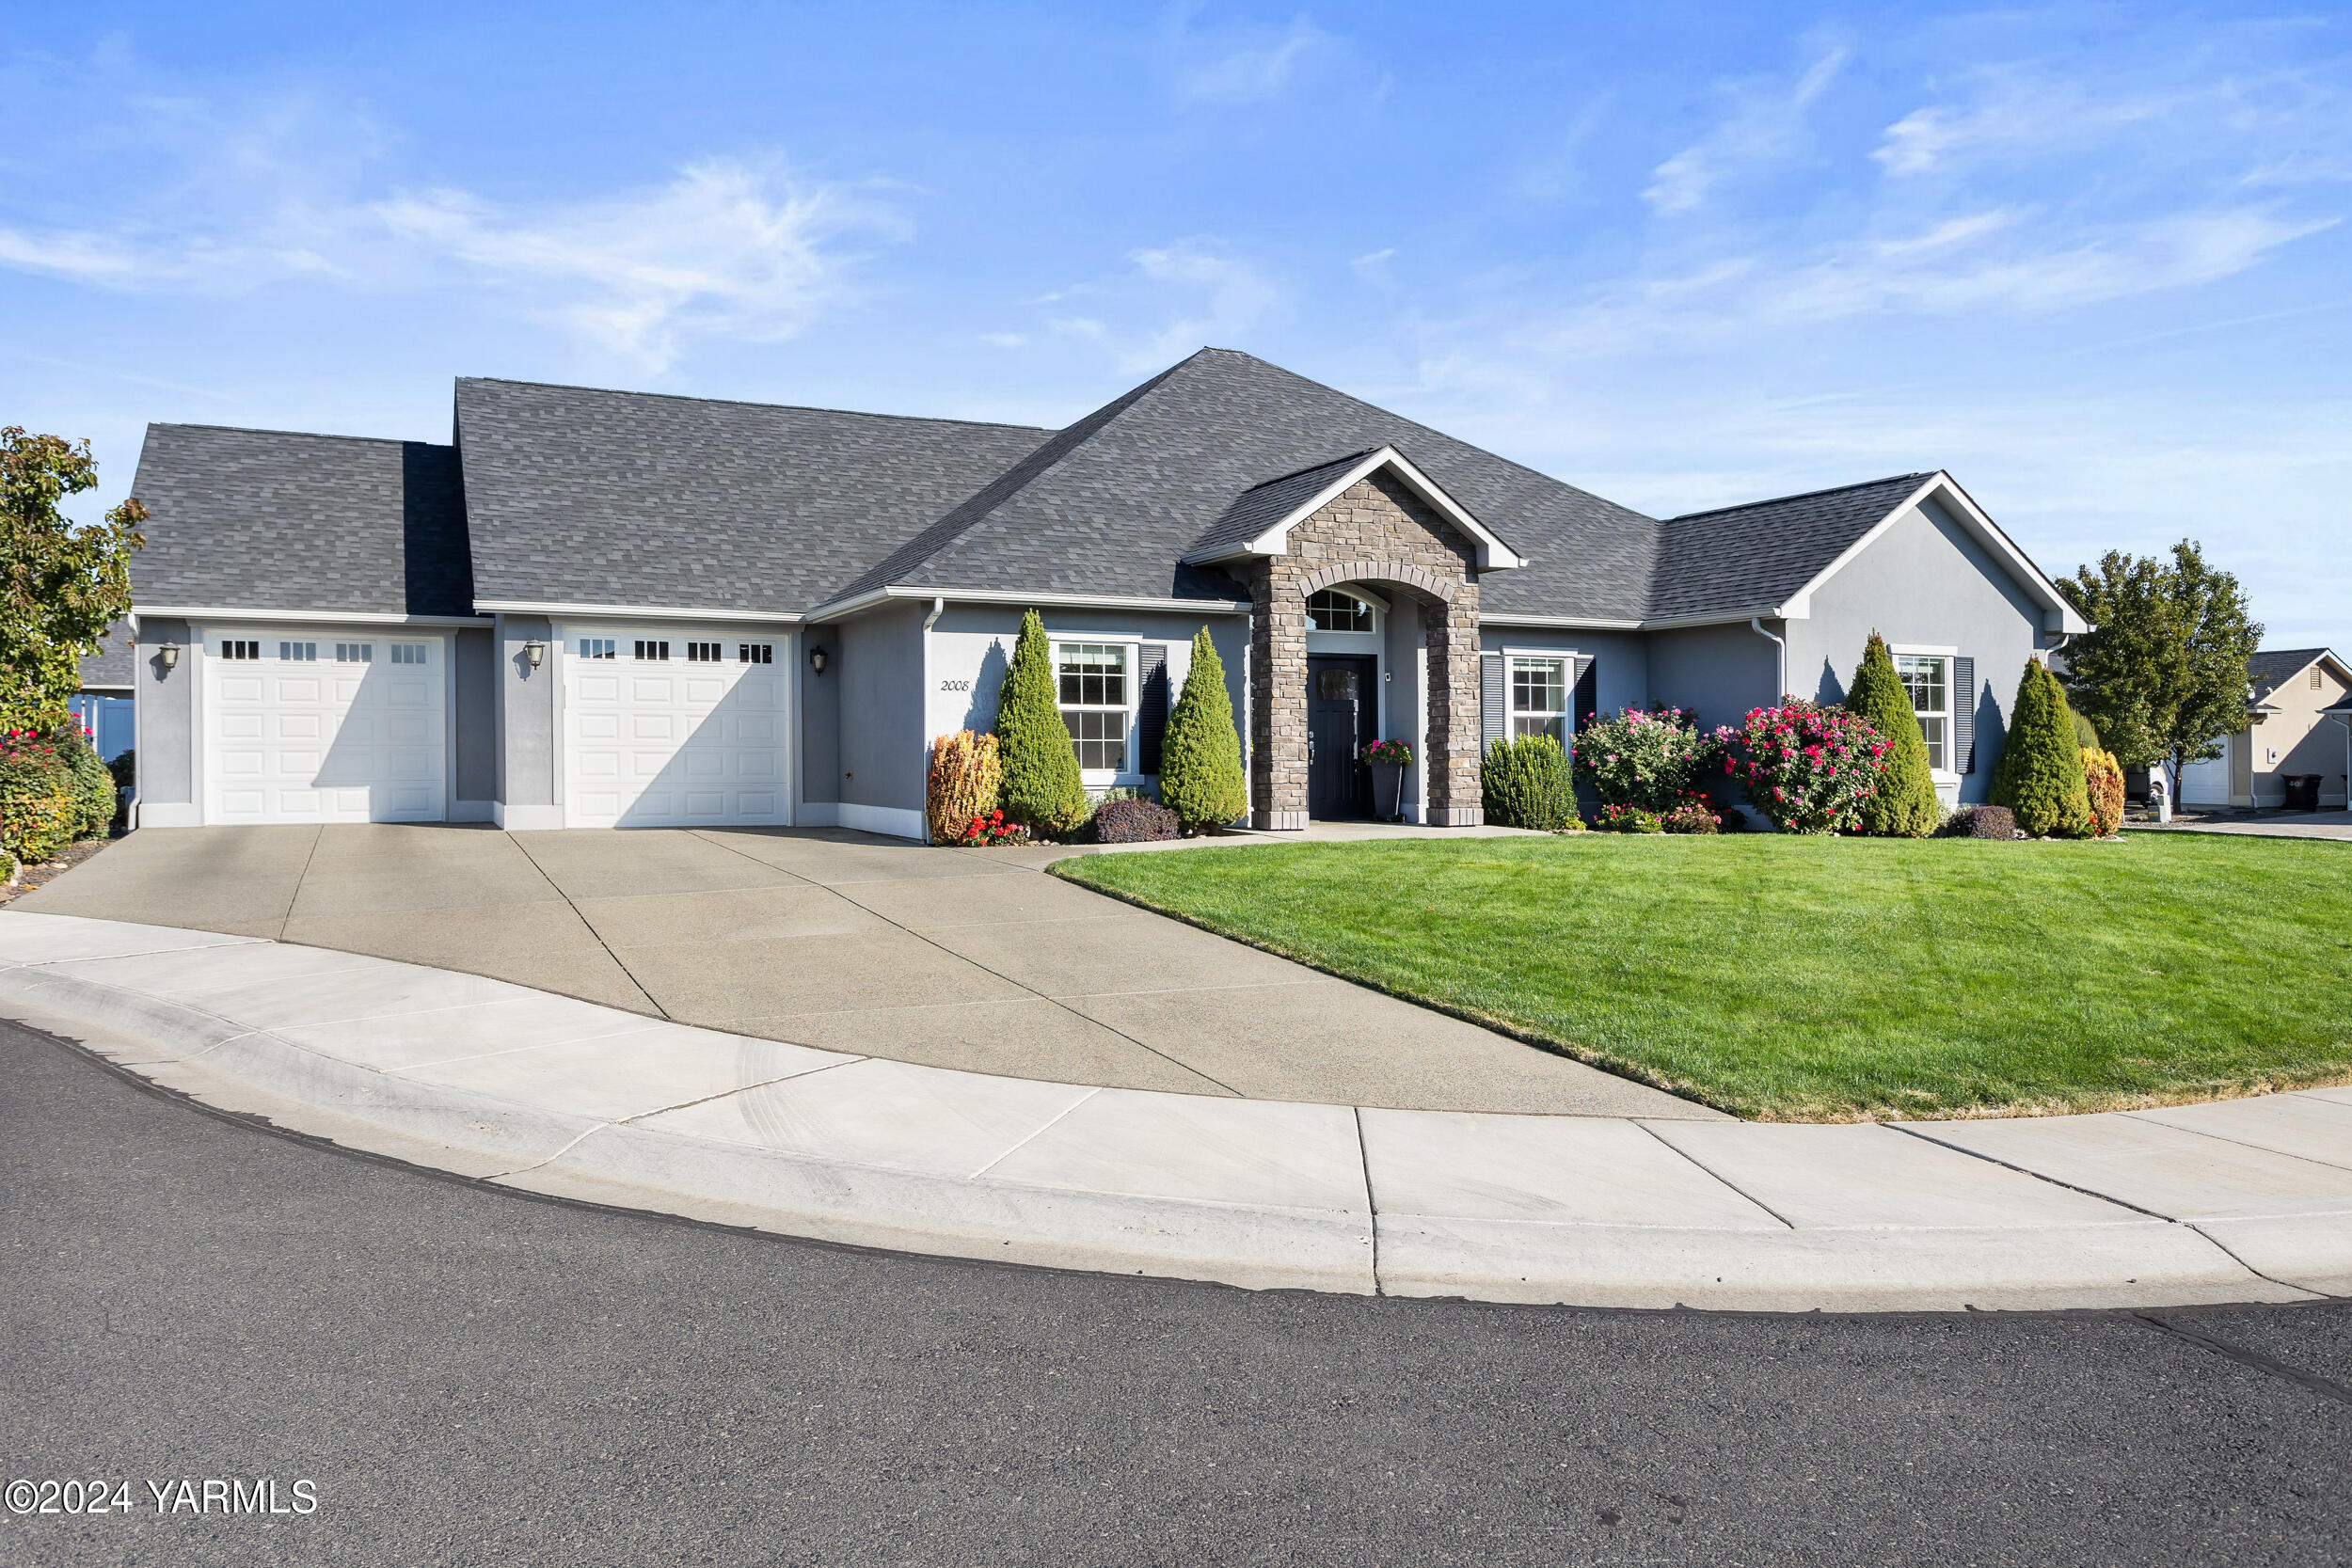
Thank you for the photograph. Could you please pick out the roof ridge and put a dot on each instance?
(1028, 469)
(747, 402)
(1798, 496)
(302, 435)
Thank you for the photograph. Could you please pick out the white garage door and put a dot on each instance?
(324, 726)
(677, 727)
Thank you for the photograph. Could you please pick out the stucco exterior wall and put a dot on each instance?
(1924, 583)
(1716, 673)
(166, 724)
(473, 776)
(817, 700)
(528, 785)
(1620, 658)
(879, 670)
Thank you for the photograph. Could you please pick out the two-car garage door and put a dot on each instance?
(678, 726)
(322, 725)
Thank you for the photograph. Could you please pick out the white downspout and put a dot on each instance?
(1756, 623)
(923, 706)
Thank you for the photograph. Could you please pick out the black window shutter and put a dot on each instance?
(1151, 704)
(1494, 715)
(1964, 715)
(1587, 693)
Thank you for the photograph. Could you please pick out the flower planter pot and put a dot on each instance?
(1388, 790)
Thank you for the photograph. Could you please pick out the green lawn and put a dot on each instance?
(1793, 978)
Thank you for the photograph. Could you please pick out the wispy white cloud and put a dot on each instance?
(1262, 69)
(727, 248)
(1763, 124)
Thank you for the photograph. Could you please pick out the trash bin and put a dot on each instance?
(2302, 791)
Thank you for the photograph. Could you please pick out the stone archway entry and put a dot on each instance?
(1377, 531)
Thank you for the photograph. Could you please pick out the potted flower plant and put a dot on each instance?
(1388, 759)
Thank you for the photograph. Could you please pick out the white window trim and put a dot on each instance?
(1565, 658)
(1951, 694)
(1096, 777)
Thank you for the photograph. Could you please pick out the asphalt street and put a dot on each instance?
(465, 1376)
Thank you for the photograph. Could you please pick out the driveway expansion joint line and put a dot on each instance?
(2271, 1366)
(1719, 1176)
(1056, 1000)
(590, 928)
(2225, 1138)
(286, 923)
(1039, 1131)
(2037, 1176)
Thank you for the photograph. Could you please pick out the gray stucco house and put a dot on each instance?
(599, 608)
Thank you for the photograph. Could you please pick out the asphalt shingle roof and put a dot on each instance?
(261, 519)
(1259, 508)
(2266, 669)
(111, 664)
(1113, 513)
(586, 497)
(1752, 558)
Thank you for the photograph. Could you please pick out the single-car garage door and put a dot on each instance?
(324, 726)
(673, 727)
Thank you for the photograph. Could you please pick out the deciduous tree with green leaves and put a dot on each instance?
(61, 583)
(2162, 672)
(1903, 803)
(1041, 788)
(1200, 776)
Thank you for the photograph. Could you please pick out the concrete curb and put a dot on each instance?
(559, 1097)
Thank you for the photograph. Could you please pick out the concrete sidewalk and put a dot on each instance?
(972, 960)
(2239, 1201)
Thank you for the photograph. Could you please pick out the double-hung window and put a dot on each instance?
(1092, 678)
(1929, 680)
(1539, 697)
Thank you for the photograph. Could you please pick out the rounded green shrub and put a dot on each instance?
(93, 785)
(2086, 733)
(1902, 803)
(1200, 775)
(1526, 783)
(39, 811)
(1040, 786)
(2040, 776)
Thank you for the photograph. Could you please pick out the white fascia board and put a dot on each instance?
(633, 612)
(1940, 485)
(1565, 623)
(1493, 554)
(311, 617)
(841, 609)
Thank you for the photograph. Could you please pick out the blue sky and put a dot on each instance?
(2092, 259)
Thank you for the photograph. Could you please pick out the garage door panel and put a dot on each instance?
(652, 746)
(356, 742)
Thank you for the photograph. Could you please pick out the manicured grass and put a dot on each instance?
(1791, 978)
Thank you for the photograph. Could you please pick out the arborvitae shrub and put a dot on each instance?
(1526, 783)
(1902, 803)
(1039, 787)
(2040, 775)
(2085, 733)
(1200, 776)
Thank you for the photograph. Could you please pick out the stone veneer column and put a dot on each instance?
(1277, 697)
(1453, 796)
(1376, 532)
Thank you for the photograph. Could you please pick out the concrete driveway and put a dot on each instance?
(847, 941)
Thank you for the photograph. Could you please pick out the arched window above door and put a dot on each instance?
(1332, 611)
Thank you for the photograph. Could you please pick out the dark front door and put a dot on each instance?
(1341, 715)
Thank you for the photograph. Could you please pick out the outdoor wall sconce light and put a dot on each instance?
(534, 652)
(169, 653)
(816, 658)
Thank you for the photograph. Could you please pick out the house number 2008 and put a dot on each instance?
(955, 685)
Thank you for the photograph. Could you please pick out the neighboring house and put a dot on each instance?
(614, 608)
(2288, 691)
(104, 705)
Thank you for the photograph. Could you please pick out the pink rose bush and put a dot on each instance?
(1650, 759)
(1805, 767)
